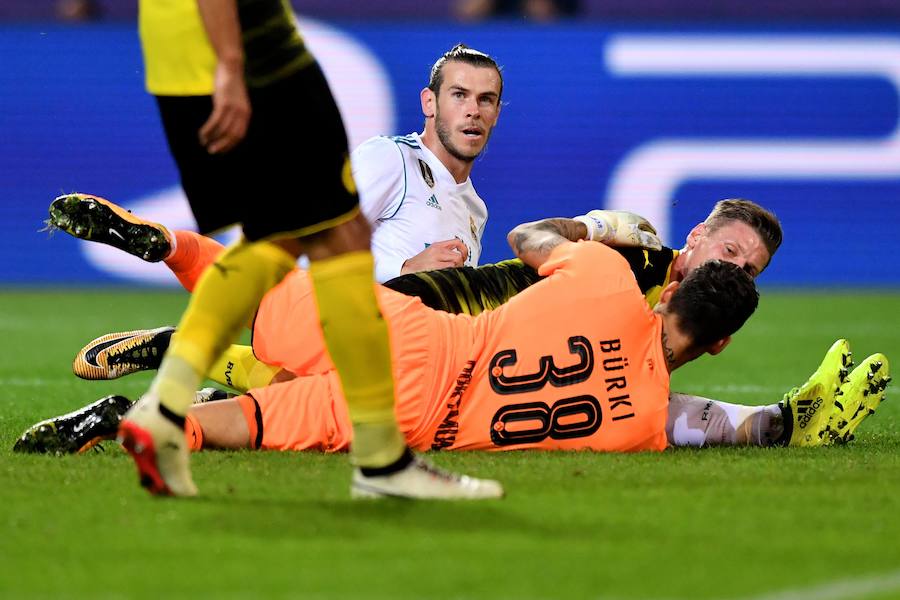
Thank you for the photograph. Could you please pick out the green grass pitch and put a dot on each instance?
(716, 523)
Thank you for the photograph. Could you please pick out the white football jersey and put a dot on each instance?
(412, 201)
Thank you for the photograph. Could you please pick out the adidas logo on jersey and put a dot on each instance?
(806, 409)
(433, 202)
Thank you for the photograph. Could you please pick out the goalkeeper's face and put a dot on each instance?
(466, 109)
(734, 242)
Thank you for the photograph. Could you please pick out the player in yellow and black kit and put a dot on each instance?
(259, 141)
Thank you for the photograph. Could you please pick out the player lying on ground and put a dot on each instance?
(99, 352)
(737, 231)
(280, 419)
(599, 380)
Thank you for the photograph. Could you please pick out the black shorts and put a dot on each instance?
(286, 177)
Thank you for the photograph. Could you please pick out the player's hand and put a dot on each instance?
(439, 255)
(620, 228)
(227, 125)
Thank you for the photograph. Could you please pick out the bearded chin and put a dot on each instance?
(444, 137)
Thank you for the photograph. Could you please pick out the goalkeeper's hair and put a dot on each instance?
(714, 301)
(763, 221)
(464, 54)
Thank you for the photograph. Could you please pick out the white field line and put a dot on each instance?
(859, 587)
(842, 589)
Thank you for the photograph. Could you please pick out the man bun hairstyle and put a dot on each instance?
(464, 54)
(714, 301)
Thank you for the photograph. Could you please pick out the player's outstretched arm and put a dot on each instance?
(533, 242)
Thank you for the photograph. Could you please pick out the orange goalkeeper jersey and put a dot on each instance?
(572, 362)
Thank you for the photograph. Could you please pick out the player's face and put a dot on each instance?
(734, 242)
(466, 109)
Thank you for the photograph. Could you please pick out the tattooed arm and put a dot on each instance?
(533, 242)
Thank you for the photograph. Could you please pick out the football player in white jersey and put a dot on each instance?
(415, 189)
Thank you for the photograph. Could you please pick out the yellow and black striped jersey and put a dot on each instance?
(472, 290)
(273, 47)
(179, 59)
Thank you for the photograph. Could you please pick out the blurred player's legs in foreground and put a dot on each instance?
(186, 253)
(226, 296)
(342, 276)
(225, 299)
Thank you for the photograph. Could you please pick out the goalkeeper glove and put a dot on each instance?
(620, 228)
